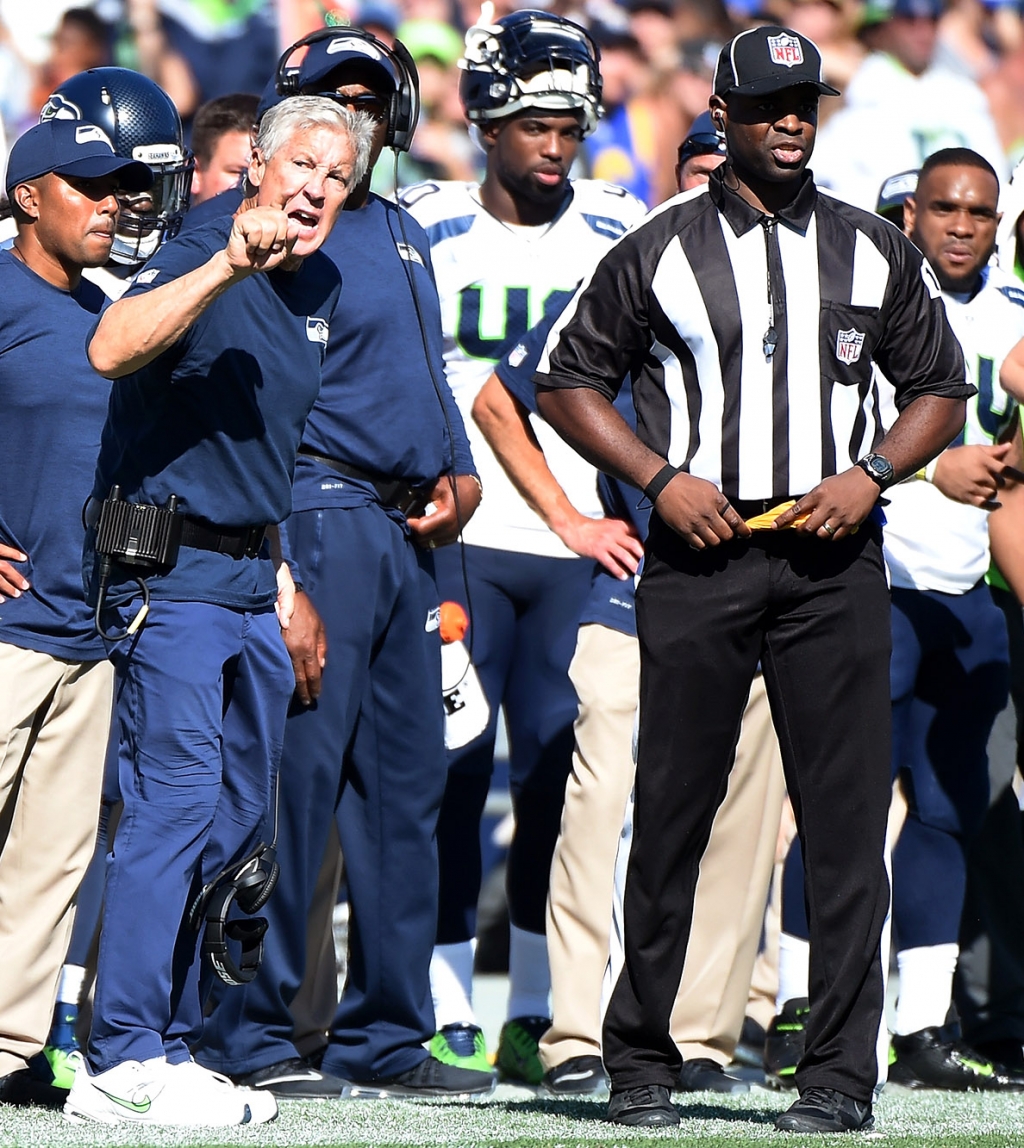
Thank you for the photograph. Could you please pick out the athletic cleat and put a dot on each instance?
(784, 1043)
(55, 1066)
(705, 1075)
(57, 1063)
(430, 1078)
(646, 1106)
(154, 1092)
(935, 1058)
(518, 1058)
(577, 1076)
(462, 1045)
(825, 1110)
(293, 1079)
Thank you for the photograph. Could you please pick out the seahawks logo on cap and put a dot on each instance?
(57, 107)
(317, 330)
(346, 44)
(90, 133)
(786, 50)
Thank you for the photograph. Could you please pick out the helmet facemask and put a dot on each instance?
(148, 219)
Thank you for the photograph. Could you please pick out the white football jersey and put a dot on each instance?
(495, 280)
(932, 542)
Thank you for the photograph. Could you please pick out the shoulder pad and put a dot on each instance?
(417, 192)
(1014, 294)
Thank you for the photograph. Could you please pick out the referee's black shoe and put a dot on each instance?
(647, 1106)
(826, 1110)
(935, 1058)
(705, 1075)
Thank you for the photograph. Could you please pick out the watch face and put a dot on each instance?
(879, 467)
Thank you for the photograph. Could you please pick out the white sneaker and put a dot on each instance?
(127, 1092)
(262, 1105)
(154, 1092)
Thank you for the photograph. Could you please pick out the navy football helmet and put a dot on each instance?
(530, 60)
(141, 123)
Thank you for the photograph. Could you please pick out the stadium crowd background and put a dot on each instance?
(657, 62)
(916, 77)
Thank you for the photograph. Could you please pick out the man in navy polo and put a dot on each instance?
(216, 351)
(55, 682)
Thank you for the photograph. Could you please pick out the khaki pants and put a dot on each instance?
(54, 727)
(734, 874)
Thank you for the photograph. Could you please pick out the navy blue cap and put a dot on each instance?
(326, 56)
(70, 147)
(703, 138)
(893, 193)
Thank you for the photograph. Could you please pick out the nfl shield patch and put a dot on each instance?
(785, 50)
(849, 345)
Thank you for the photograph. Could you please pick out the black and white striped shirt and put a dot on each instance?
(750, 339)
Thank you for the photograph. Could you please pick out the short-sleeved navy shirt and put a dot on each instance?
(217, 419)
(52, 407)
(611, 600)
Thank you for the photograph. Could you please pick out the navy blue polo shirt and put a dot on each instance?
(217, 418)
(52, 408)
(611, 600)
(385, 405)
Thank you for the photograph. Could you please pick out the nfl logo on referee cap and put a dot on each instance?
(849, 345)
(786, 50)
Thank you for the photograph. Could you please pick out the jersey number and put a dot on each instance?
(518, 318)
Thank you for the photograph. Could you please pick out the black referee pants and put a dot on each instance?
(816, 614)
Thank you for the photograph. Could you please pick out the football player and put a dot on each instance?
(503, 250)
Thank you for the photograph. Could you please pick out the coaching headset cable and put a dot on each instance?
(418, 307)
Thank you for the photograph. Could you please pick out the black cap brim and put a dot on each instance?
(771, 84)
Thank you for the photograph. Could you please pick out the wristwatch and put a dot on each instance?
(878, 468)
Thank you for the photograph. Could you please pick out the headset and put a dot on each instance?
(404, 110)
(248, 884)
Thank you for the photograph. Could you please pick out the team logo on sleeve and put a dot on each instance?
(409, 253)
(785, 50)
(517, 355)
(849, 345)
(145, 277)
(317, 330)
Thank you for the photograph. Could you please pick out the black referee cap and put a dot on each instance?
(767, 59)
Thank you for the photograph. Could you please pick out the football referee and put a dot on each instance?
(749, 315)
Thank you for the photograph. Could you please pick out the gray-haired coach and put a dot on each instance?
(749, 315)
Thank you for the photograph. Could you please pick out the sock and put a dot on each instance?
(69, 987)
(529, 978)
(926, 986)
(794, 962)
(451, 983)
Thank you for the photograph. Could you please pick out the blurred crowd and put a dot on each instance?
(916, 75)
